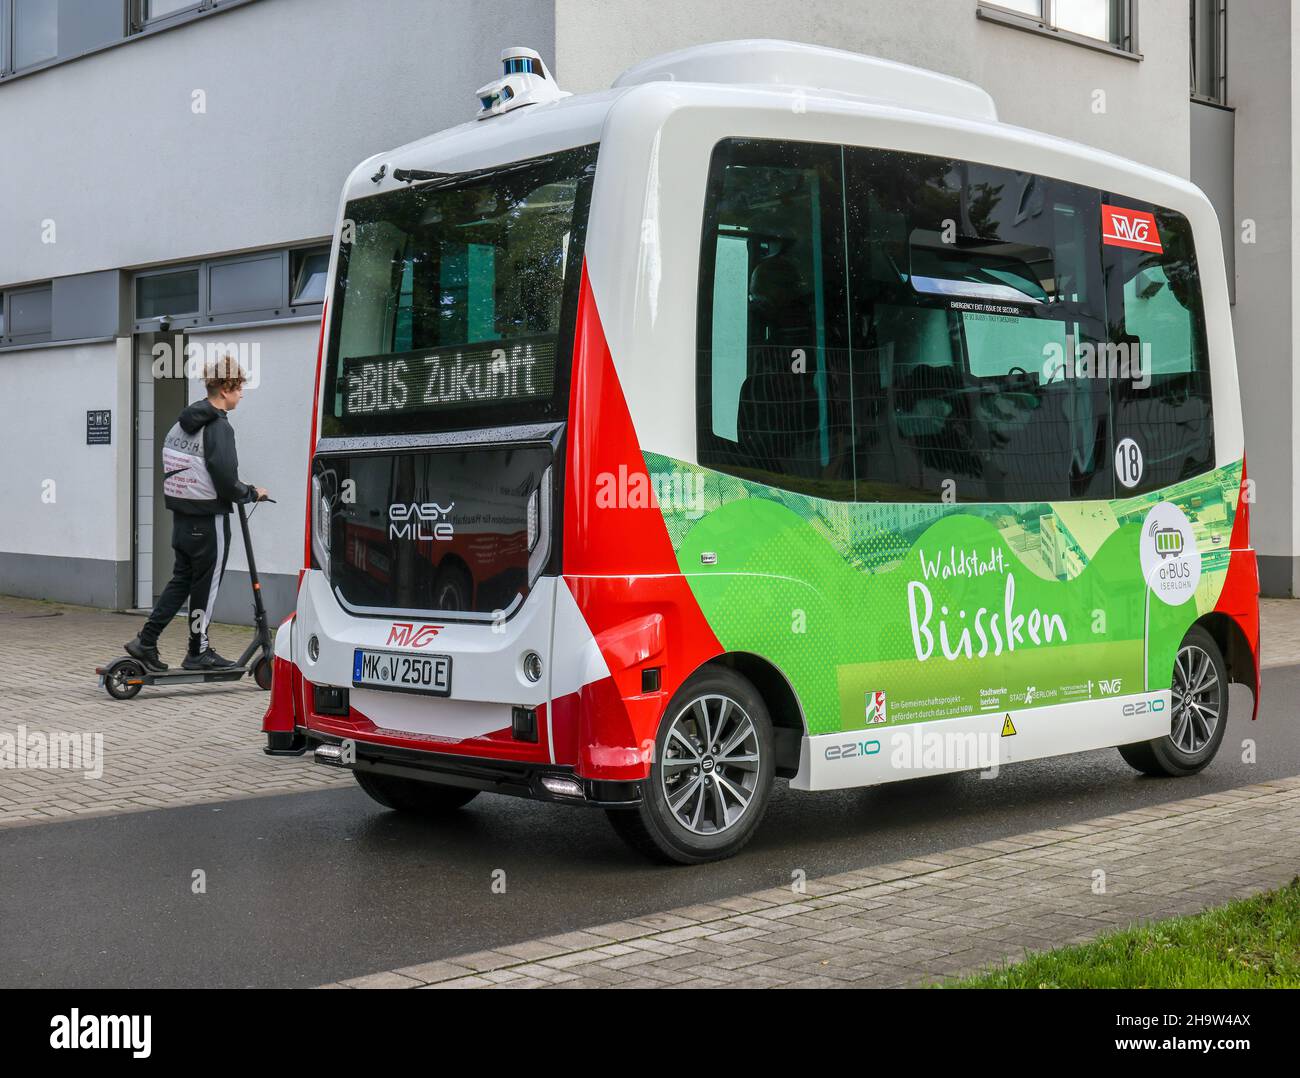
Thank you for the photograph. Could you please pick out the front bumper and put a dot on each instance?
(513, 778)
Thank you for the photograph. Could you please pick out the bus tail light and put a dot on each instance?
(534, 515)
(320, 525)
(539, 526)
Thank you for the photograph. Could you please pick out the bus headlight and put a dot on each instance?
(320, 525)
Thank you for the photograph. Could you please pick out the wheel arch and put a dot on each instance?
(788, 722)
(1235, 648)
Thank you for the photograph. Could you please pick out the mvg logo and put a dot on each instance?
(405, 634)
(1111, 686)
(420, 520)
(1129, 228)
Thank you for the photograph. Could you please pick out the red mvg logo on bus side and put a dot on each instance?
(1129, 228)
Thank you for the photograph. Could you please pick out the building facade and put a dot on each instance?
(171, 174)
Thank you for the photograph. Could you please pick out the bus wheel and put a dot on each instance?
(413, 796)
(712, 773)
(1200, 712)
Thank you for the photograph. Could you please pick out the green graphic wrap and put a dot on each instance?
(886, 614)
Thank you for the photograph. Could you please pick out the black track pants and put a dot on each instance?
(201, 545)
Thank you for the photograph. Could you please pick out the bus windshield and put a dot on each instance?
(452, 298)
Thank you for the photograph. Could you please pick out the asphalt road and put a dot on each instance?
(304, 889)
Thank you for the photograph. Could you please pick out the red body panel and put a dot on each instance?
(621, 568)
(1239, 598)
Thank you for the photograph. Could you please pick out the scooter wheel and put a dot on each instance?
(262, 673)
(124, 679)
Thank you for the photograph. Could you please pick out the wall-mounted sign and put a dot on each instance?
(99, 427)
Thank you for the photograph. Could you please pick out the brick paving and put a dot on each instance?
(917, 922)
(1279, 632)
(181, 746)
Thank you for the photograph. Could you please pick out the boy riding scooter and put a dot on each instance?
(200, 483)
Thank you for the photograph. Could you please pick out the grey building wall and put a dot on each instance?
(1037, 82)
(296, 92)
(1262, 71)
(1213, 162)
(66, 508)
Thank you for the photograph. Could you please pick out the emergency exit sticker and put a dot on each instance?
(1129, 228)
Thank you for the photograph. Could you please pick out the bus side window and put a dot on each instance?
(772, 391)
(1162, 399)
(970, 288)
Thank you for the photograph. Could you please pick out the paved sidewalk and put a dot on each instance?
(1279, 632)
(166, 747)
(917, 922)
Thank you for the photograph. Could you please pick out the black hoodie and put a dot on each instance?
(200, 465)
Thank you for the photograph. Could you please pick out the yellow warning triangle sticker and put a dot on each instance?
(1008, 727)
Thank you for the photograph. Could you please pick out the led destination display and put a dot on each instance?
(422, 381)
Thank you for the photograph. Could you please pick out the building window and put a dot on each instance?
(1111, 22)
(170, 294)
(35, 32)
(30, 311)
(247, 285)
(310, 268)
(1209, 24)
(153, 10)
(262, 286)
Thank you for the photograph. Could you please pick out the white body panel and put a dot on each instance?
(487, 677)
(976, 742)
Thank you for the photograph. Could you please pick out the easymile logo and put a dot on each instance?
(120, 1031)
(420, 520)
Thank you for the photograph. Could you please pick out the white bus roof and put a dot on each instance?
(742, 74)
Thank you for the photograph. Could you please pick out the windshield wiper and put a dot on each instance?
(413, 175)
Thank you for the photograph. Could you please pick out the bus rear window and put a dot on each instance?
(453, 297)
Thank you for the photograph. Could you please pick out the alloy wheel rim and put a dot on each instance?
(710, 767)
(1197, 696)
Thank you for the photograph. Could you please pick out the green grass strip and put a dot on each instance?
(1251, 943)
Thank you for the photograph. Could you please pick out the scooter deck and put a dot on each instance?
(183, 677)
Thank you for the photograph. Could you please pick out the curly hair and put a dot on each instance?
(223, 373)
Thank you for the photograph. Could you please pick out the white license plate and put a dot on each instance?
(400, 671)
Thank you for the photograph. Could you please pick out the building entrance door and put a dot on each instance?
(160, 394)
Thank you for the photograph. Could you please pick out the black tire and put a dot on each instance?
(263, 671)
(654, 828)
(118, 678)
(1166, 756)
(413, 796)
